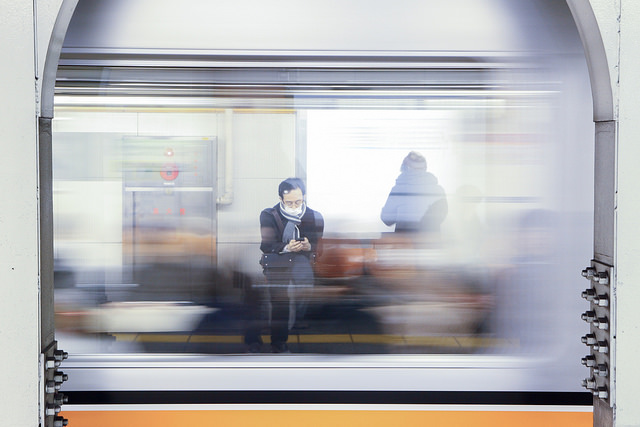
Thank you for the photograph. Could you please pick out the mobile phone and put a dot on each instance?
(300, 239)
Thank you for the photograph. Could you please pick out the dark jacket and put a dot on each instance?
(311, 227)
(416, 202)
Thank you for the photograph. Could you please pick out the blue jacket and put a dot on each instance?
(416, 202)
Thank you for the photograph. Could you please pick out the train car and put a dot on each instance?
(173, 127)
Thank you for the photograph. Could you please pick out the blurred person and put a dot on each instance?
(524, 310)
(416, 202)
(290, 235)
(464, 228)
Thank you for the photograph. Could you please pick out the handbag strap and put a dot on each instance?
(278, 221)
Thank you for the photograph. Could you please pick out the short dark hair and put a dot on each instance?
(290, 184)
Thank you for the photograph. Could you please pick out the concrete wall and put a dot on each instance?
(19, 299)
(627, 236)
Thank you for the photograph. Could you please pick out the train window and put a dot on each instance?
(160, 176)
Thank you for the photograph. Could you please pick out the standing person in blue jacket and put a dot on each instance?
(293, 231)
(416, 203)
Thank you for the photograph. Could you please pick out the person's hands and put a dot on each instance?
(306, 246)
(297, 246)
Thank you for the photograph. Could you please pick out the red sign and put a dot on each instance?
(169, 171)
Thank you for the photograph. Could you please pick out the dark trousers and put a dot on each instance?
(276, 293)
(275, 296)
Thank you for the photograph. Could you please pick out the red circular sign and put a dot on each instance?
(169, 171)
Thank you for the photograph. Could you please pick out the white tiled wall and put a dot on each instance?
(88, 192)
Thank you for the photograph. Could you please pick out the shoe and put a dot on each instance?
(280, 347)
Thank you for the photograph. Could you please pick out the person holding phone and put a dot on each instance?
(293, 229)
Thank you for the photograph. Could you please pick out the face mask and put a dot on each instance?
(293, 211)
